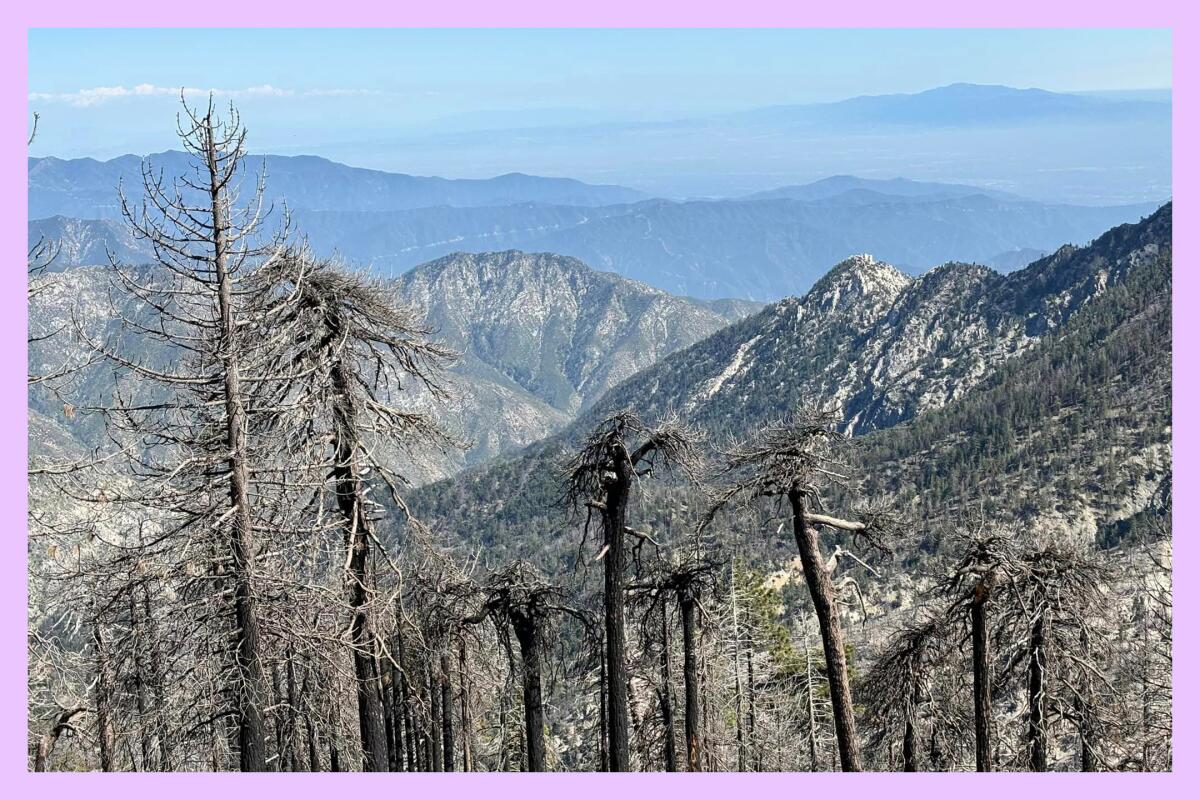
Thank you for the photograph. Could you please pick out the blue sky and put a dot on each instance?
(326, 80)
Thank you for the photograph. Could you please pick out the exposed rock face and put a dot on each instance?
(543, 337)
(880, 346)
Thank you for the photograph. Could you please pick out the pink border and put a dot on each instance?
(1179, 15)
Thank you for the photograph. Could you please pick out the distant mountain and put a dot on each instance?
(849, 188)
(87, 188)
(753, 249)
(1049, 146)
(548, 331)
(965, 104)
(765, 249)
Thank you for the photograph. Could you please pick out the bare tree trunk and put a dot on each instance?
(351, 497)
(753, 719)
(810, 705)
(387, 695)
(435, 721)
(280, 749)
(249, 696)
(981, 663)
(156, 682)
(464, 700)
(691, 688)
(604, 763)
(104, 730)
(1037, 694)
(447, 706)
(824, 598)
(1087, 737)
(910, 746)
(616, 501)
(668, 712)
(295, 760)
(139, 685)
(529, 638)
(314, 756)
(404, 711)
(737, 674)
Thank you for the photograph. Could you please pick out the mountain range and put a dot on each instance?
(758, 248)
(1050, 146)
(86, 188)
(958, 379)
(1050, 385)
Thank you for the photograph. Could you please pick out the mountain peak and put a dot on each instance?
(859, 276)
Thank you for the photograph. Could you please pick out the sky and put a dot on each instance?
(107, 92)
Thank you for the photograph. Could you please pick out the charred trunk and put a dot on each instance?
(616, 502)
(103, 694)
(435, 722)
(668, 711)
(1037, 694)
(691, 682)
(529, 637)
(981, 664)
(825, 604)
(447, 707)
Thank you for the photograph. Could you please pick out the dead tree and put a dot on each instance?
(104, 698)
(984, 568)
(666, 703)
(619, 451)
(185, 437)
(359, 350)
(518, 598)
(896, 688)
(795, 460)
(1060, 587)
(683, 584)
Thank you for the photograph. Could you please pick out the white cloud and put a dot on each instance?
(103, 94)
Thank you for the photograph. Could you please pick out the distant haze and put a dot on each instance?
(676, 114)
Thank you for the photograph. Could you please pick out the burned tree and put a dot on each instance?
(1062, 600)
(619, 451)
(518, 598)
(183, 424)
(358, 351)
(682, 585)
(795, 460)
(983, 570)
(896, 689)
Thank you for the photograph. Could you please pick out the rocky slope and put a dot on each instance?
(541, 337)
(880, 346)
(544, 336)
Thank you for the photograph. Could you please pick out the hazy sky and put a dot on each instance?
(106, 92)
